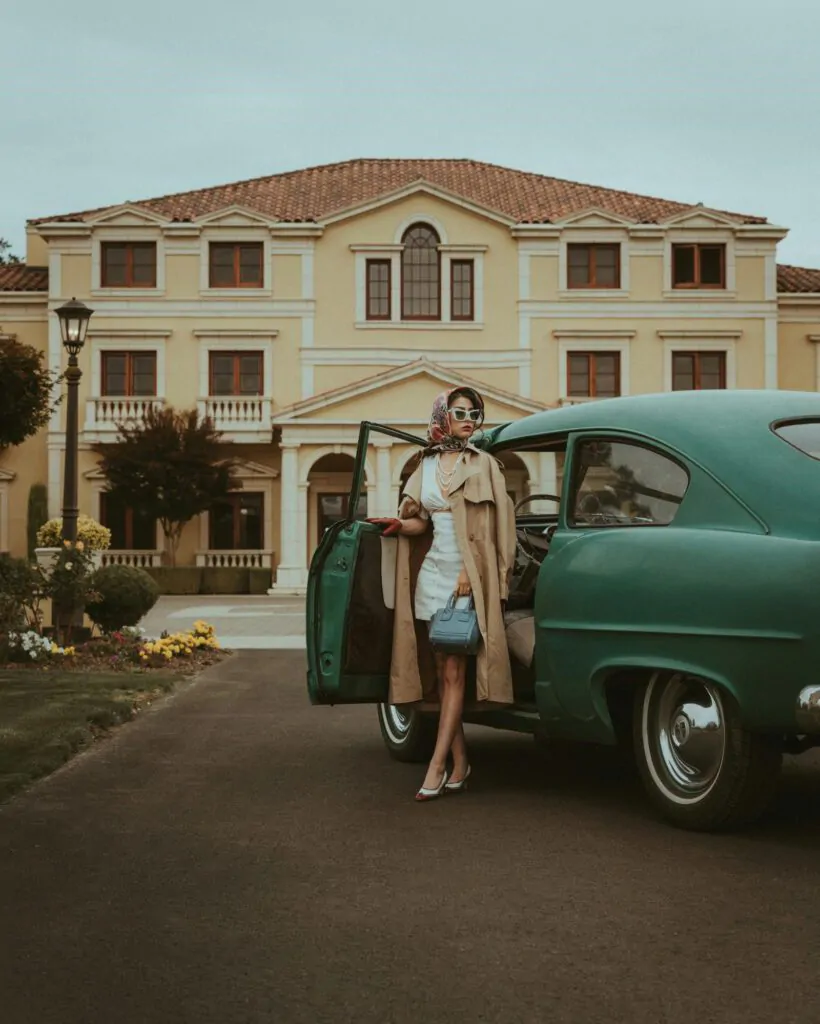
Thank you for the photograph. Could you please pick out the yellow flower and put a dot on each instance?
(79, 545)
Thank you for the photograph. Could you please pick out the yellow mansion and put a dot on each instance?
(289, 308)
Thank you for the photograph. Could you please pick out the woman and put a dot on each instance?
(456, 528)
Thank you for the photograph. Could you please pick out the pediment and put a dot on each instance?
(248, 470)
(235, 217)
(418, 187)
(700, 217)
(127, 215)
(594, 218)
(401, 395)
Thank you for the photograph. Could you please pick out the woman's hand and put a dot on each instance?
(463, 588)
(390, 526)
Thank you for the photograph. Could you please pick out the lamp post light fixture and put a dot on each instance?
(74, 317)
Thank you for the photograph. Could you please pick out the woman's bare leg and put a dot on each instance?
(458, 750)
(452, 677)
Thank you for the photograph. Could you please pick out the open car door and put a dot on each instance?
(350, 596)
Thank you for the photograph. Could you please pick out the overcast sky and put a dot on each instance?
(712, 101)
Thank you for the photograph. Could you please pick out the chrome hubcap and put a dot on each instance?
(684, 735)
(395, 721)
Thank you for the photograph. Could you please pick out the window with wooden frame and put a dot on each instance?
(236, 265)
(131, 529)
(128, 264)
(698, 266)
(462, 290)
(420, 274)
(698, 371)
(129, 373)
(236, 373)
(593, 374)
(378, 290)
(593, 266)
(236, 523)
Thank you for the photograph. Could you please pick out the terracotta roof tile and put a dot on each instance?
(19, 277)
(316, 192)
(797, 279)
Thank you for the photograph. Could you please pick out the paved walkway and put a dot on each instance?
(236, 856)
(241, 622)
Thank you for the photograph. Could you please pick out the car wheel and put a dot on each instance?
(407, 734)
(700, 767)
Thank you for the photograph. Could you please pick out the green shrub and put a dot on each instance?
(122, 596)
(18, 593)
(37, 514)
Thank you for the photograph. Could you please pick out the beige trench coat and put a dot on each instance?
(484, 519)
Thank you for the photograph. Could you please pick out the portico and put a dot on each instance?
(318, 444)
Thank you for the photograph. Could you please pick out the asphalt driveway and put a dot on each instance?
(238, 856)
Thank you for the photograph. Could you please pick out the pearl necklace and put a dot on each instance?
(445, 477)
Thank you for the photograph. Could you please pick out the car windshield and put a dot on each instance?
(804, 436)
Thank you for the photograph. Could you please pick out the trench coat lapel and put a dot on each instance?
(467, 467)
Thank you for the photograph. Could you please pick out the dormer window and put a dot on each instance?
(698, 266)
(128, 264)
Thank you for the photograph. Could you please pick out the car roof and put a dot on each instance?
(728, 432)
(677, 418)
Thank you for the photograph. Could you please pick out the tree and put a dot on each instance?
(170, 466)
(5, 256)
(26, 392)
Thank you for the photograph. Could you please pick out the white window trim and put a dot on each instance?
(726, 345)
(593, 236)
(126, 234)
(447, 255)
(210, 343)
(110, 343)
(247, 481)
(229, 236)
(700, 238)
(567, 347)
(97, 488)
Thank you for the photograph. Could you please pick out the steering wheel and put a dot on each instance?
(536, 497)
(535, 548)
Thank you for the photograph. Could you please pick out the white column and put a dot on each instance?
(382, 505)
(291, 573)
(547, 473)
(771, 355)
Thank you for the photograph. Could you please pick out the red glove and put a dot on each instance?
(391, 526)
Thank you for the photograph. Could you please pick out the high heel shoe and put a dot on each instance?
(432, 794)
(460, 786)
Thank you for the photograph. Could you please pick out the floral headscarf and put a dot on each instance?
(439, 438)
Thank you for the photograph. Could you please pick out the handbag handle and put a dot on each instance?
(451, 602)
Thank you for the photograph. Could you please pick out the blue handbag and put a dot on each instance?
(455, 630)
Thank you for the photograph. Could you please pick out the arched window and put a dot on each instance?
(420, 274)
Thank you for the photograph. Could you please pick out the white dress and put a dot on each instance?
(442, 564)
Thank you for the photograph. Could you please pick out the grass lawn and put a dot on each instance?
(48, 716)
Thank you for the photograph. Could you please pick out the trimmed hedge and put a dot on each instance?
(190, 580)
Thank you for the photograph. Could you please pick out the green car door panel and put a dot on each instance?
(350, 630)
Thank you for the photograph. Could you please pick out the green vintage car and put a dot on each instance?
(668, 599)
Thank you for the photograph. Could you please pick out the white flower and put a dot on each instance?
(69, 565)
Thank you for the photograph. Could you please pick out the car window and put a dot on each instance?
(803, 436)
(616, 483)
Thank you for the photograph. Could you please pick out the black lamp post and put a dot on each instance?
(74, 317)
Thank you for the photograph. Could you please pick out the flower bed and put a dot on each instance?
(125, 649)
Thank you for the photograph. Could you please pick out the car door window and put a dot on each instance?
(619, 483)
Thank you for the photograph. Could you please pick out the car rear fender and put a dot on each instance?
(613, 681)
